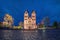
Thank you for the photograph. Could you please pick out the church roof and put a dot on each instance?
(33, 11)
(26, 11)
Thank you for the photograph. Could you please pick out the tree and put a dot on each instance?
(8, 18)
(0, 24)
(46, 21)
(21, 23)
(19, 27)
(58, 25)
(55, 24)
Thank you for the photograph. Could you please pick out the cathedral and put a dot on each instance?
(30, 22)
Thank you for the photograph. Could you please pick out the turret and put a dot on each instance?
(33, 16)
(25, 15)
(25, 19)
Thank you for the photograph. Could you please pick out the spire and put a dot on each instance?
(26, 11)
(26, 14)
(33, 11)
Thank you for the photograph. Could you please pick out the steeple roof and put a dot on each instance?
(33, 11)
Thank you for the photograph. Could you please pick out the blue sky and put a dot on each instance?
(43, 8)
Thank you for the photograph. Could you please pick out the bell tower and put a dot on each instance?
(26, 20)
(33, 19)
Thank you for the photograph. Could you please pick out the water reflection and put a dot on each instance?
(7, 34)
(44, 37)
(29, 35)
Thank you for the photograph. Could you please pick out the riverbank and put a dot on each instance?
(7, 28)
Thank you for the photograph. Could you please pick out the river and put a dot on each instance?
(53, 34)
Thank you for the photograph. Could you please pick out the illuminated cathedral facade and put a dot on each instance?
(30, 22)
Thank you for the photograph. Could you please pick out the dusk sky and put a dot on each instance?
(43, 8)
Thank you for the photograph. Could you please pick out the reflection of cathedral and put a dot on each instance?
(30, 22)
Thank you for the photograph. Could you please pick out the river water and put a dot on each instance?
(30, 35)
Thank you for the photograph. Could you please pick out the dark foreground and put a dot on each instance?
(53, 34)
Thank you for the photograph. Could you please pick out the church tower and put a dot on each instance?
(26, 20)
(30, 22)
(33, 19)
